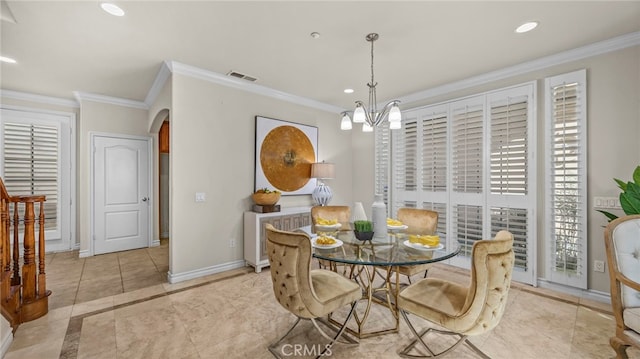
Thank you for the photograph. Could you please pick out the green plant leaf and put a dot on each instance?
(630, 199)
(621, 184)
(609, 215)
(636, 175)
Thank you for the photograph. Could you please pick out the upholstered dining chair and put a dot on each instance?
(622, 243)
(418, 221)
(462, 311)
(340, 213)
(306, 293)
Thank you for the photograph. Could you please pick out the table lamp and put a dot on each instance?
(322, 193)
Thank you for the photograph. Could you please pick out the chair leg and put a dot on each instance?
(620, 347)
(274, 346)
(340, 331)
(418, 338)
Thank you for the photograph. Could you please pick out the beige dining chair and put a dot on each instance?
(342, 214)
(462, 311)
(306, 293)
(622, 243)
(418, 221)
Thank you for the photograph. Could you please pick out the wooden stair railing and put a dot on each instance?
(23, 286)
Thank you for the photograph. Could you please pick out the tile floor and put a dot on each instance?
(120, 306)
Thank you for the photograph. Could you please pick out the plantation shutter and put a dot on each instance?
(434, 153)
(467, 170)
(382, 161)
(510, 199)
(566, 179)
(31, 165)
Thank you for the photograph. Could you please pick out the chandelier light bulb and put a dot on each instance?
(395, 125)
(366, 127)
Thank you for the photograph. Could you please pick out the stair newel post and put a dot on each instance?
(16, 245)
(42, 278)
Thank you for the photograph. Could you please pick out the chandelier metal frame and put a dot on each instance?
(369, 115)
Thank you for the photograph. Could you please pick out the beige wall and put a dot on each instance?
(613, 82)
(100, 118)
(212, 151)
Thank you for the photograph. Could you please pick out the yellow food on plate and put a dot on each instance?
(326, 222)
(425, 239)
(393, 222)
(325, 241)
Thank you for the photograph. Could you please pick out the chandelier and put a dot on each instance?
(370, 117)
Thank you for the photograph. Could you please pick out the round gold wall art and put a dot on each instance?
(286, 156)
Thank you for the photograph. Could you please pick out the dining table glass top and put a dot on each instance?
(395, 249)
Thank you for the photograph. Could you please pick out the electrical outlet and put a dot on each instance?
(232, 243)
(598, 266)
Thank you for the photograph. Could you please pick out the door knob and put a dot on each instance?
(144, 199)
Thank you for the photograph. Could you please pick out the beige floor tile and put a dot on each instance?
(98, 337)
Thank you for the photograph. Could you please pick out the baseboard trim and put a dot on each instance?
(181, 277)
(155, 243)
(6, 342)
(590, 294)
(84, 253)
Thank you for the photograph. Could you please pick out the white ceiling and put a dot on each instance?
(66, 46)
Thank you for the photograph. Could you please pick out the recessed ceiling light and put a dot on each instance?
(7, 60)
(315, 35)
(348, 90)
(527, 26)
(112, 9)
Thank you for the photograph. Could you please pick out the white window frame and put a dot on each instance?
(578, 280)
(64, 238)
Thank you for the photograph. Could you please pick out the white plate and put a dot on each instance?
(404, 226)
(328, 226)
(422, 247)
(326, 246)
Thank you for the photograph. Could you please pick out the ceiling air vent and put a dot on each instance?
(241, 76)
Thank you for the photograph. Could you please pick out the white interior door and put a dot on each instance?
(121, 193)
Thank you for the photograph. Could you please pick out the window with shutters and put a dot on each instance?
(566, 184)
(31, 165)
(36, 160)
(471, 160)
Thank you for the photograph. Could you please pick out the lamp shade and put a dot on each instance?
(322, 170)
(346, 122)
(358, 115)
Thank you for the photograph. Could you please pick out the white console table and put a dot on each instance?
(255, 246)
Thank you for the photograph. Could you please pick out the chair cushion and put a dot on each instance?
(433, 299)
(631, 317)
(627, 249)
(333, 290)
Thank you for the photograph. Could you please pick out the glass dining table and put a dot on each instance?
(371, 264)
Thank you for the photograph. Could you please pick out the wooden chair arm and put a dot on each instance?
(626, 281)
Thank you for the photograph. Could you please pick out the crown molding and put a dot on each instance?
(158, 84)
(86, 96)
(56, 101)
(214, 77)
(598, 48)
